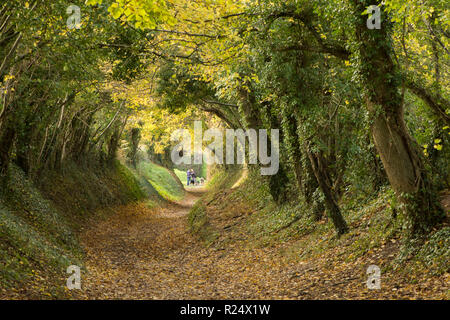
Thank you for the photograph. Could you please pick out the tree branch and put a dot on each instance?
(220, 103)
(436, 102)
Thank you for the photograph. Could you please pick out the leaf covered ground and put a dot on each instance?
(143, 253)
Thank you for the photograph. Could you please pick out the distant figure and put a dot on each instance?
(193, 176)
(188, 177)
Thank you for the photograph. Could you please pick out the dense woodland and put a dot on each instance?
(359, 110)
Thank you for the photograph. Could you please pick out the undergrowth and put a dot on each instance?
(39, 222)
(375, 224)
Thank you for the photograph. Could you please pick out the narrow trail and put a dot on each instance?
(142, 253)
(139, 253)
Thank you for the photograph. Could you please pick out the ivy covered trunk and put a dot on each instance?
(135, 139)
(252, 114)
(399, 154)
(323, 179)
(304, 176)
(23, 145)
(277, 186)
(7, 135)
(113, 145)
(310, 185)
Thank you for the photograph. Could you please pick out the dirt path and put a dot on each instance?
(140, 253)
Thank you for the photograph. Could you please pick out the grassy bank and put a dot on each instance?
(182, 175)
(198, 217)
(39, 222)
(162, 181)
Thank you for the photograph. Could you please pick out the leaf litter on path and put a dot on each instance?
(142, 253)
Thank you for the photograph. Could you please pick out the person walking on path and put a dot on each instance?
(188, 176)
(193, 176)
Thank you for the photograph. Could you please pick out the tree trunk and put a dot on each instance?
(7, 135)
(277, 186)
(135, 139)
(379, 177)
(310, 186)
(304, 176)
(321, 173)
(252, 117)
(401, 160)
(23, 146)
(113, 145)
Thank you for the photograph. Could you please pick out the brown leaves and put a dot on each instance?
(150, 254)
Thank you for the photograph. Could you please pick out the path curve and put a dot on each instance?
(143, 253)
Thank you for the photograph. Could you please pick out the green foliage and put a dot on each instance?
(182, 175)
(131, 188)
(435, 253)
(27, 253)
(70, 99)
(222, 179)
(428, 255)
(37, 240)
(179, 89)
(161, 180)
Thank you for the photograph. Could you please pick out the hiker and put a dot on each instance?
(188, 176)
(193, 176)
